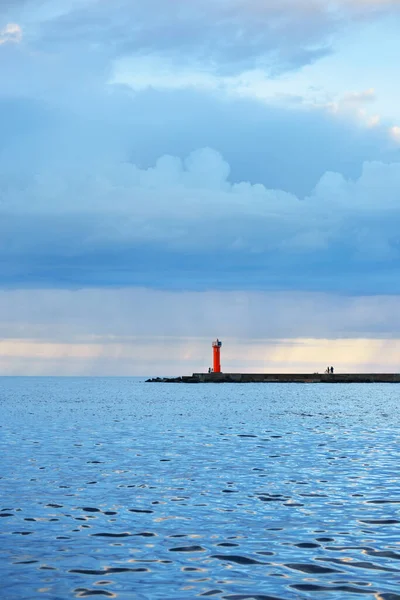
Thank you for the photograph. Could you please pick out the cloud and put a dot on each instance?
(223, 37)
(150, 356)
(11, 33)
(355, 105)
(134, 153)
(184, 224)
(395, 133)
(112, 315)
(142, 73)
(141, 331)
(95, 188)
(359, 98)
(262, 142)
(369, 4)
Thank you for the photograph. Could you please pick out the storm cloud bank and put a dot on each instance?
(183, 224)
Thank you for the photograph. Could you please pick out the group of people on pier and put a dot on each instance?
(329, 370)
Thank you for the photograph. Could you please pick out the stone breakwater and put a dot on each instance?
(281, 378)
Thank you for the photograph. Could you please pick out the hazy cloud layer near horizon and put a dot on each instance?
(139, 331)
(110, 315)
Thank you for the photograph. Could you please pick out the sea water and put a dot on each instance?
(118, 488)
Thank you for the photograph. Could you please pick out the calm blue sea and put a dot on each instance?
(120, 489)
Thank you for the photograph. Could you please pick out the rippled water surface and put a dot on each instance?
(121, 489)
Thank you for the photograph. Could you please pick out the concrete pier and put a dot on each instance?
(281, 378)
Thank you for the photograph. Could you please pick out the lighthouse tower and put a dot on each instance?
(217, 356)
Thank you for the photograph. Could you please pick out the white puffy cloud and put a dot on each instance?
(356, 105)
(11, 33)
(395, 133)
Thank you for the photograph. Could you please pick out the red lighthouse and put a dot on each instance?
(217, 356)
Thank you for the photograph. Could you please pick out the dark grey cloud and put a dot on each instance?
(224, 36)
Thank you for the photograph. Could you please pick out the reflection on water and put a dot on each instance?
(120, 489)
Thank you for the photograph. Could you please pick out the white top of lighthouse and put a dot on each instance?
(217, 343)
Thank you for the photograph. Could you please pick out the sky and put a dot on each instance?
(174, 171)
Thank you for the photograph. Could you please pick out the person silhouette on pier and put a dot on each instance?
(331, 370)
